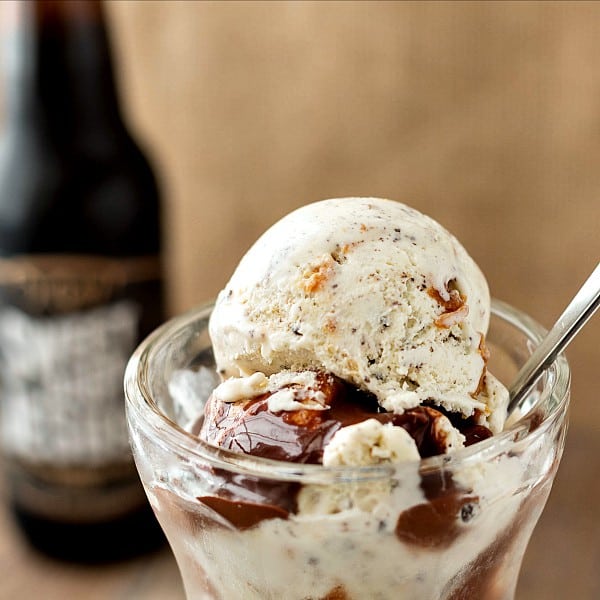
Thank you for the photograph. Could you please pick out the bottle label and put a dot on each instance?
(68, 325)
(62, 380)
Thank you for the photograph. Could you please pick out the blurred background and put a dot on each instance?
(484, 115)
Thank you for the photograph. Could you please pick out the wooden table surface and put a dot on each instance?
(562, 561)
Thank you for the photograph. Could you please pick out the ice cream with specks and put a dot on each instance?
(372, 292)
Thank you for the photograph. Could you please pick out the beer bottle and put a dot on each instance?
(79, 285)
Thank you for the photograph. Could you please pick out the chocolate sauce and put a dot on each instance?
(300, 436)
(467, 426)
(420, 423)
(243, 515)
(297, 436)
(439, 521)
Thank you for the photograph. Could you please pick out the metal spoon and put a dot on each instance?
(574, 317)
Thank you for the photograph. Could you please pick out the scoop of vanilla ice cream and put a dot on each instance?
(371, 291)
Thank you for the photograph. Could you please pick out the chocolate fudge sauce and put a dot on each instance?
(300, 436)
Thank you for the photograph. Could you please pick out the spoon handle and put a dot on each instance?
(574, 317)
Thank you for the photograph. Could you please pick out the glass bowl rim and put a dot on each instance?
(139, 402)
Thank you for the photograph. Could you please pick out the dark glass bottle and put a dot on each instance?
(80, 285)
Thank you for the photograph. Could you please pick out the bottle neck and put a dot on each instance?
(58, 68)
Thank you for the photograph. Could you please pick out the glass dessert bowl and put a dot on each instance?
(451, 526)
